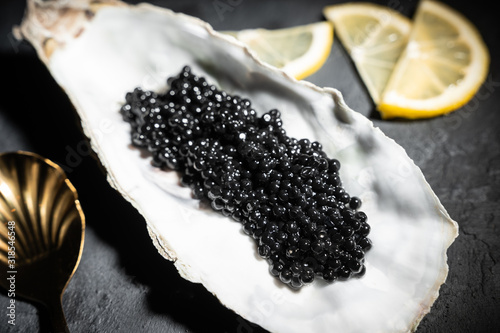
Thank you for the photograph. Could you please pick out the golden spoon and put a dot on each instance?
(41, 232)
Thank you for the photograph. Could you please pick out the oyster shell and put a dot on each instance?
(98, 52)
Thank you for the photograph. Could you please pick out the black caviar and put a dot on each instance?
(286, 193)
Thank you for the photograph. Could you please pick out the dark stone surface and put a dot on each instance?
(124, 285)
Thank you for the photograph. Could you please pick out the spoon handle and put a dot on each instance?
(56, 313)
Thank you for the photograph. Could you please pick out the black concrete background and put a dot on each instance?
(124, 285)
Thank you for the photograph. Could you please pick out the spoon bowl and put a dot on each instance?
(41, 234)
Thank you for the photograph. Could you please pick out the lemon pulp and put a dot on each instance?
(299, 51)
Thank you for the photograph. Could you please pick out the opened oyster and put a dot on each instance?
(97, 52)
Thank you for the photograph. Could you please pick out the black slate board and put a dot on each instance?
(124, 285)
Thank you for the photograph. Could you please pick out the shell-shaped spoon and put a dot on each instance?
(42, 231)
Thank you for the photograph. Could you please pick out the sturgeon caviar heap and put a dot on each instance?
(285, 192)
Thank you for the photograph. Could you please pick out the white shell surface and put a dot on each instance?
(124, 47)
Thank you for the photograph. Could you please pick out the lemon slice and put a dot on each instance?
(375, 36)
(299, 51)
(441, 68)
